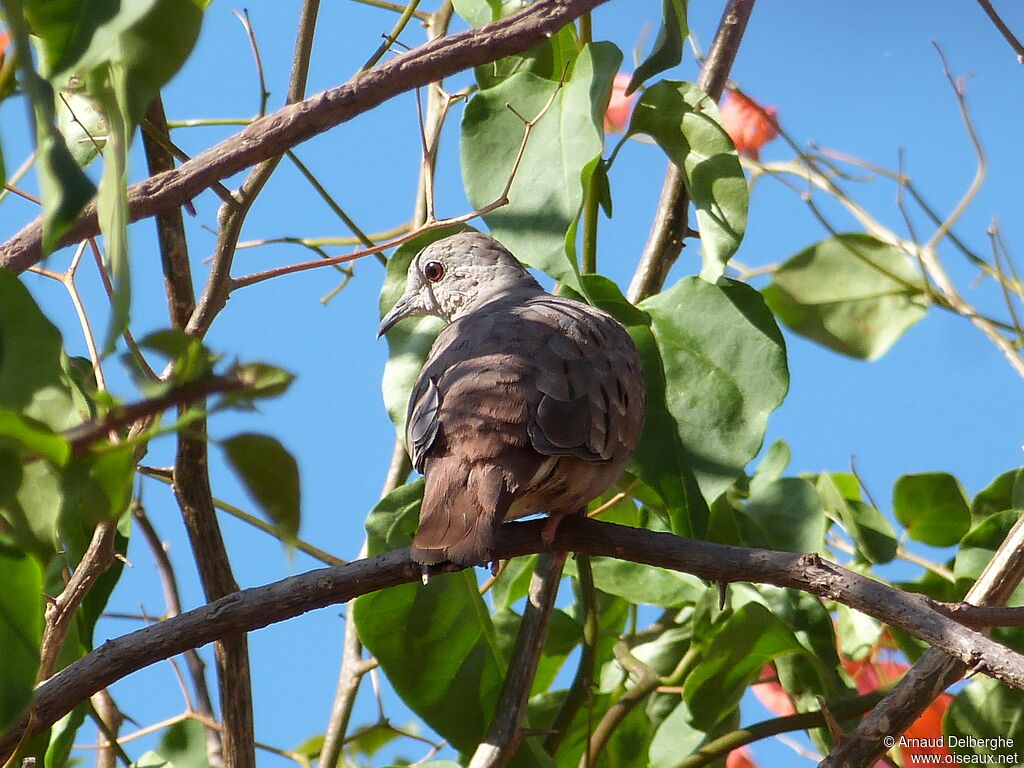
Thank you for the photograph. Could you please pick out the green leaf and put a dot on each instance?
(977, 548)
(648, 584)
(32, 376)
(478, 12)
(685, 123)
(748, 640)
(814, 673)
(668, 47)
(367, 741)
(35, 437)
(851, 293)
(725, 371)
(83, 124)
(549, 60)
(1005, 492)
(772, 465)
(65, 188)
(97, 487)
(988, 720)
(409, 340)
(122, 54)
(790, 514)
(261, 380)
(858, 633)
(660, 458)
(21, 629)
(547, 193)
(108, 85)
(872, 534)
(933, 507)
(437, 646)
(183, 745)
(271, 476)
(191, 359)
(675, 736)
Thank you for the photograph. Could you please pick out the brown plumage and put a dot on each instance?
(527, 402)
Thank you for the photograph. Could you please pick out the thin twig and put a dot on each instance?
(247, 24)
(172, 602)
(97, 558)
(272, 135)
(392, 37)
(1004, 30)
(430, 226)
(580, 688)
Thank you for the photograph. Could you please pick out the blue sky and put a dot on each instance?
(862, 78)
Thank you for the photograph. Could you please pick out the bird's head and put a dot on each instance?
(453, 276)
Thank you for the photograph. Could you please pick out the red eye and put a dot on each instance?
(433, 271)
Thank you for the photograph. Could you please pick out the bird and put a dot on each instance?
(527, 402)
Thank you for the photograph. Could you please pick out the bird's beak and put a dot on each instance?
(409, 305)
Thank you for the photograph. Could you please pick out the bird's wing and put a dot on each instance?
(591, 390)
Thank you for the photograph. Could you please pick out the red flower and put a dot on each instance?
(740, 758)
(771, 694)
(872, 674)
(869, 675)
(749, 125)
(616, 117)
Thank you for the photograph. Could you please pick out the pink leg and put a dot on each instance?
(547, 534)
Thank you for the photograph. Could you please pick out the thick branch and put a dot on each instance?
(272, 135)
(258, 607)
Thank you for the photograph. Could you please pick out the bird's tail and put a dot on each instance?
(463, 507)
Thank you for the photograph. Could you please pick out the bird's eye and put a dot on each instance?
(433, 271)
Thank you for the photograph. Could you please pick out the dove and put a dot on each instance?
(527, 402)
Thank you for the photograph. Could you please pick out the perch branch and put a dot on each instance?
(259, 607)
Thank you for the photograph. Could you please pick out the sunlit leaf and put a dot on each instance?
(685, 123)
(725, 370)
(851, 293)
(668, 46)
(933, 507)
(660, 459)
(790, 514)
(872, 534)
(547, 193)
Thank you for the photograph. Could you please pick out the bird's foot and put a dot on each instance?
(550, 528)
(425, 574)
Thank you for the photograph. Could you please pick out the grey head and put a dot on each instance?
(453, 276)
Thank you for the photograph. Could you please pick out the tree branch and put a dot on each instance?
(272, 135)
(504, 734)
(258, 607)
(936, 670)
